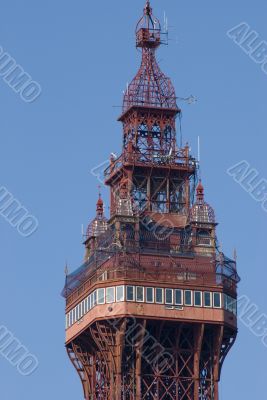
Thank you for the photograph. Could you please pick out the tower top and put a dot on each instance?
(148, 29)
(150, 88)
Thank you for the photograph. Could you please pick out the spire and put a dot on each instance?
(100, 204)
(148, 9)
(200, 192)
(150, 87)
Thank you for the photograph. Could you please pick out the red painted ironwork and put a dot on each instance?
(158, 236)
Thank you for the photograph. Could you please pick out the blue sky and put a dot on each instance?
(82, 54)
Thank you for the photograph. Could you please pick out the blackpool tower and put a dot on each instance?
(151, 312)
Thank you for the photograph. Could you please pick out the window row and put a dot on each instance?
(141, 294)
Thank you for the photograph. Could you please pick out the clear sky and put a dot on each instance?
(82, 54)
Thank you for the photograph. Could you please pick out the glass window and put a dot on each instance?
(198, 299)
(178, 297)
(110, 295)
(225, 301)
(159, 296)
(150, 295)
(217, 300)
(188, 297)
(101, 296)
(120, 293)
(75, 315)
(235, 306)
(169, 296)
(130, 293)
(140, 294)
(83, 307)
(229, 304)
(207, 299)
(71, 318)
(94, 298)
(90, 302)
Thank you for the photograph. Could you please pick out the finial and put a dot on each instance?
(148, 8)
(235, 254)
(99, 191)
(66, 270)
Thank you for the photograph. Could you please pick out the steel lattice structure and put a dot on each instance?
(151, 313)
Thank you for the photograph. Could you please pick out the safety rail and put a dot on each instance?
(158, 158)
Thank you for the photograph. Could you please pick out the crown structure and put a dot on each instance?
(151, 314)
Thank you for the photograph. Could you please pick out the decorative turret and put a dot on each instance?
(203, 222)
(202, 212)
(98, 226)
(99, 223)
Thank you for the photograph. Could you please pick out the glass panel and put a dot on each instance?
(217, 300)
(71, 318)
(100, 296)
(150, 295)
(84, 311)
(230, 303)
(110, 295)
(235, 306)
(198, 299)
(169, 296)
(73, 315)
(178, 297)
(225, 301)
(90, 302)
(130, 293)
(140, 294)
(94, 298)
(159, 295)
(188, 297)
(120, 293)
(207, 299)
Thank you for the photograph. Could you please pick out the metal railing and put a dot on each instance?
(179, 158)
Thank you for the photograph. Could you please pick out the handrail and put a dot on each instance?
(179, 158)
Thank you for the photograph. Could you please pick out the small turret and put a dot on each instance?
(98, 226)
(203, 222)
